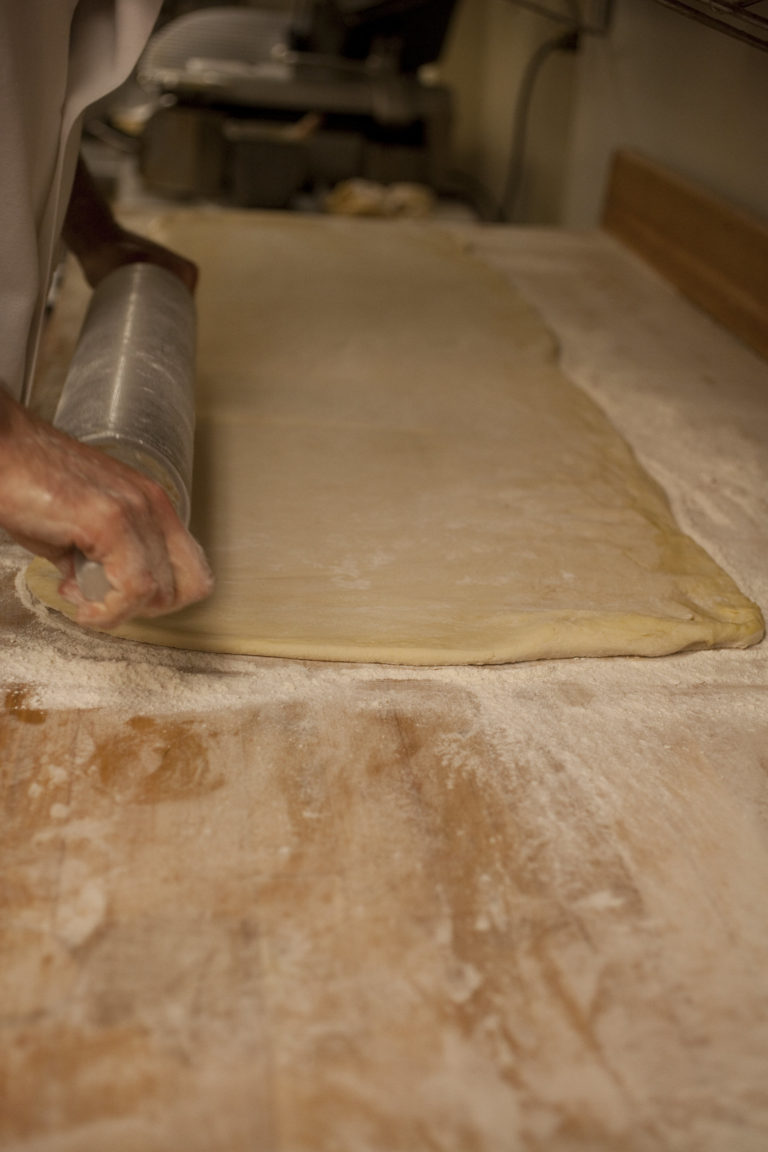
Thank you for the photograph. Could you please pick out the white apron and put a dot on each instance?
(56, 58)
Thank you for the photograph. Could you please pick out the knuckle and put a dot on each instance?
(145, 587)
(136, 503)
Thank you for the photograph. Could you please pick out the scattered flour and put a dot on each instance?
(66, 667)
(80, 913)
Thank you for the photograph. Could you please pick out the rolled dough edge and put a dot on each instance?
(542, 636)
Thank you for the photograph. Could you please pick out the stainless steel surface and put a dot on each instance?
(238, 65)
(130, 386)
(224, 39)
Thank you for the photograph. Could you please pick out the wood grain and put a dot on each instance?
(714, 253)
(264, 933)
(268, 906)
(351, 922)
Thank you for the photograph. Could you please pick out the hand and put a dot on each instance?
(57, 495)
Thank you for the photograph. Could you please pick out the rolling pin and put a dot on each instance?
(130, 386)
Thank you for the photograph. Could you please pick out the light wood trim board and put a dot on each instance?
(717, 255)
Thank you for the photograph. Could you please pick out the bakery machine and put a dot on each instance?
(252, 105)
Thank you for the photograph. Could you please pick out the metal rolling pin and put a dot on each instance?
(130, 386)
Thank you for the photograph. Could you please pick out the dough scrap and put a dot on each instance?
(391, 467)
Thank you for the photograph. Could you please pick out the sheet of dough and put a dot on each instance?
(391, 467)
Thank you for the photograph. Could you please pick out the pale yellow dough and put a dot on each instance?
(391, 467)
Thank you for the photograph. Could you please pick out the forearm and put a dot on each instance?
(100, 244)
(89, 224)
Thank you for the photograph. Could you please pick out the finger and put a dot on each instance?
(193, 579)
(157, 569)
(129, 541)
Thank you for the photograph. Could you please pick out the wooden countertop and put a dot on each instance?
(253, 904)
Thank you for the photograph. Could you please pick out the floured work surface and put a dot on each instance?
(268, 904)
(391, 467)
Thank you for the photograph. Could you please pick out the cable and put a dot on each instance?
(563, 42)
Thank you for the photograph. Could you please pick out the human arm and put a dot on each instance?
(57, 495)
